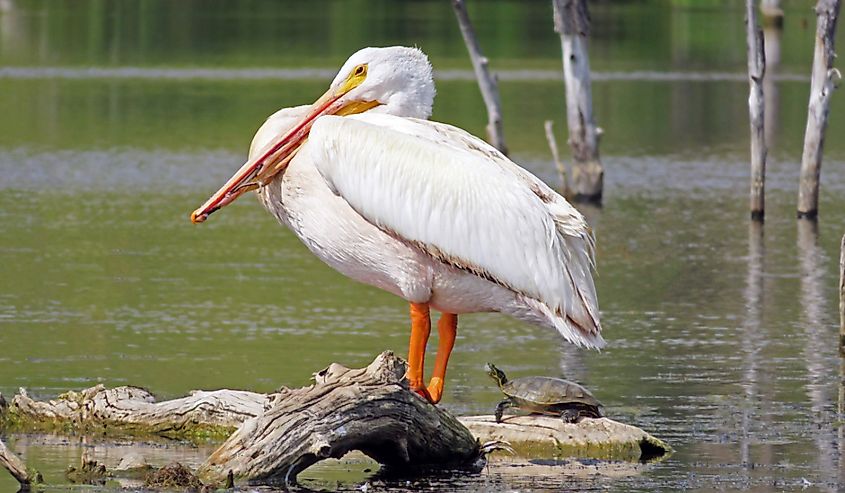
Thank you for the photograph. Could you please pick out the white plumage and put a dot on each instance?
(421, 209)
(379, 197)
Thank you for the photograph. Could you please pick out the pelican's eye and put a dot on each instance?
(355, 78)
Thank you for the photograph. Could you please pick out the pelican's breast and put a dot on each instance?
(340, 237)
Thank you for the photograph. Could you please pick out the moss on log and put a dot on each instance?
(548, 437)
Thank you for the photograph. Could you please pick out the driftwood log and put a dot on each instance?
(370, 409)
(821, 88)
(16, 468)
(756, 111)
(545, 436)
(134, 409)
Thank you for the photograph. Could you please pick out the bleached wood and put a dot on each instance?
(821, 88)
(772, 13)
(486, 81)
(842, 295)
(136, 406)
(561, 167)
(572, 23)
(15, 466)
(602, 437)
(368, 409)
(756, 111)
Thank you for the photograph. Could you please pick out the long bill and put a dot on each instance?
(276, 154)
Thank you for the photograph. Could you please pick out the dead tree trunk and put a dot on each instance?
(486, 81)
(572, 23)
(368, 409)
(756, 112)
(772, 13)
(561, 168)
(821, 87)
(842, 296)
(16, 467)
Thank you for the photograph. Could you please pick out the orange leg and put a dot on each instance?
(420, 330)
(447, 327)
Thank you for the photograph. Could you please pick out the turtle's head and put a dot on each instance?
(496, 374)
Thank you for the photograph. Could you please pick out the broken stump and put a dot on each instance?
(368, 409)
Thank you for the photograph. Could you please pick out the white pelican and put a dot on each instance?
(421, 209)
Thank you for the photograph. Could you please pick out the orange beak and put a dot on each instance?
(271, 160)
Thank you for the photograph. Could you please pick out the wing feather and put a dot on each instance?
(457, 198)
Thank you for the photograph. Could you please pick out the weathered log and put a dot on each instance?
(572, 23)
(486, 81)
(821, 87)
(17, 468)
(368, 409)
(561, 168)
(544, 436)
(756, 112)
(202, 413)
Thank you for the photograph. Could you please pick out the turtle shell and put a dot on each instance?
(547, 391)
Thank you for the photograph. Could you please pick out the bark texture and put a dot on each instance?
(136, 407)
(572, 23)
(821, 88)
(756, 112)
(368, 409)
(486, 81)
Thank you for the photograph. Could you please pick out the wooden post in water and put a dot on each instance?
(772, 13)
(486, 81)
(572, 23)
(821, 87)
(561, 168)
(756, 112)
(16, 467)
(842, 298)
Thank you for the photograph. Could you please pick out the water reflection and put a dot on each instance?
(812, 261)
(753, 337)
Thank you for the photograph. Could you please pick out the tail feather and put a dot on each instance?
(570, 328)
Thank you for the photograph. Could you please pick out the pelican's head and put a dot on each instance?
(395, 80)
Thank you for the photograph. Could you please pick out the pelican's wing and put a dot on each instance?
(463, 202)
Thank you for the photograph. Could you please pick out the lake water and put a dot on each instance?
(119, 118)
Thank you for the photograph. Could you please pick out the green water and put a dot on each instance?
(720, 341)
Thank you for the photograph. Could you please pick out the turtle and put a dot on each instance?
(546, 395)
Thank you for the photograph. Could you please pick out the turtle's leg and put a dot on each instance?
(420, 330)
(500, 409)
(570, 415)
(447, 327)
